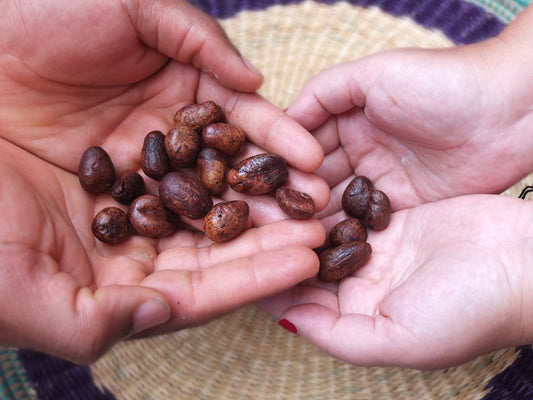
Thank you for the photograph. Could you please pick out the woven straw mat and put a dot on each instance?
(246, 355)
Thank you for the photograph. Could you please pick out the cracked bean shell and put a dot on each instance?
(184, 196)
(347, 231)
(226, 220)
(295, 204)
(341, 261)
(96, 171)
(227, 138)
(111, 225)
(148, 217)
(154, 158)
(259, 174)
(211, 170)
(197, 116)
(355, 197)
(182, 145)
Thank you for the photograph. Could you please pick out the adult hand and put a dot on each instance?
(426, 124)
(84, 73)
(447, 281)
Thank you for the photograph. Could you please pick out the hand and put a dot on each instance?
(423, 124)
(79, 74)
(447, 281)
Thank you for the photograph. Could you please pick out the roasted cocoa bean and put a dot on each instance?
(111, 225)
(128, 187)
(211, 170)
(348, 231)
(182, 145)
(338, 262)
(96, 171)
(184, 196)
(148, 217)
(355, 197)
(197, 116)
(378, 213)
(226, 220)
(259, 174)
(295, 204)
(155, 162)
(227, 138)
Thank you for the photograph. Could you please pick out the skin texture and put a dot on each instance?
(450, 278)
(123, 70)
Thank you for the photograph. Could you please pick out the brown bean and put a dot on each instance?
(227, 138)
(182, 145)
(347, 231)
(111, 225)
(341, 261)
(355, 197)
(378, 214)
(295, 204)
(96, 171)
(148, 217)
(226, 220)
(128, 187)
(197, 116)
(211, 170)
(155, 162)
(259, 174)
(184, 196)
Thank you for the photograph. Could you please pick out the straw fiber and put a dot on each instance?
(246, 355)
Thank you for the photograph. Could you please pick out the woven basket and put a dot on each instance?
(246, 355)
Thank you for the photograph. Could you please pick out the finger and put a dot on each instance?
(198, 296)
(266, 125)
(359, 339)
(309, 233)
(331, 92)
(185, 33)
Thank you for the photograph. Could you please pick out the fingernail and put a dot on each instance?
(251, 67)
(288, 325)
(152, 313)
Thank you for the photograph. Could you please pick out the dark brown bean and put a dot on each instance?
(154, 158)
(355, 197)
(378, 214)
(111, 225)
(341, 261)
(128, 187)
(227, 138)
(182, 145)
(347, 231)
(259, 174)
(184, 196)
(211, 170)
(226, 220)
(197, 116)
(96, 171)
(148, 217)
(295, 204)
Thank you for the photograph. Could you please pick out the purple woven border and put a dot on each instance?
(55, 379)
(460, 21)
(516, 382)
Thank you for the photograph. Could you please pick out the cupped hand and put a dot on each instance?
(423, 124)
(447, 281)
(106, 73)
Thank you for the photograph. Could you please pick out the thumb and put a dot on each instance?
(183, 32)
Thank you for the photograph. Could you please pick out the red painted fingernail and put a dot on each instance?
(288, 325)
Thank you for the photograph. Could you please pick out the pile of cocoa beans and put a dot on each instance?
(200, 141)
(348, 249)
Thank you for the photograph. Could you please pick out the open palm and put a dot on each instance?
(120, 70)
